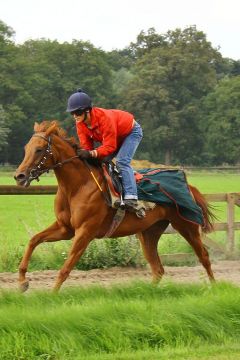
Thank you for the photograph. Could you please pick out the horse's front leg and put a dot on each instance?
(82, 238)
(54, 232)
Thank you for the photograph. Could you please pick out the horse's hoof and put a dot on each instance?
(24, 286)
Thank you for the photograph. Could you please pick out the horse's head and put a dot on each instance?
(40, 155)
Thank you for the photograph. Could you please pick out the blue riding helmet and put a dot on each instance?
(79, 101)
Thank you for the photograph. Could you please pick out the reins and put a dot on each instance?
(93, 176)
(37, 171)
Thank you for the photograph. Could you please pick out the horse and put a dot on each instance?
(82, 213)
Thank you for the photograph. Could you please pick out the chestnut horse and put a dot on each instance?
(82, 213)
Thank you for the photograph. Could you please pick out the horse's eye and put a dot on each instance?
(38, 151)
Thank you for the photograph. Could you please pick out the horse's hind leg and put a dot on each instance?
(149, 241)
(192, 233)
(54, 232)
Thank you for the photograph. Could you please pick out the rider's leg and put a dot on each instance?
(123, 160)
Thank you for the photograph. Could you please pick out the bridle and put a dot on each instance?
(38, 170)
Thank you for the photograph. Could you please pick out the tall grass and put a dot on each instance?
(114, 323)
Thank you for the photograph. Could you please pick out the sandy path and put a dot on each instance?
(223, 270)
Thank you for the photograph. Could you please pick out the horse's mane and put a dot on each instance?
(53, 127)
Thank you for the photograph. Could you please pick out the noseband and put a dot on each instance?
(38, 170)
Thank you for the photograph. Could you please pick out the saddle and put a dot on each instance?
(113, 179)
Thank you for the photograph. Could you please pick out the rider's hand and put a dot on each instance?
(83, 154)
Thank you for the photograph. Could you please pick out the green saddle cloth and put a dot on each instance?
(169, 187)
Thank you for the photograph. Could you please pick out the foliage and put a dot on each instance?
(170, 76)
(220, 121)
(45, 74)
(4, 130)
(112, 252)
(6, 33)
(161, 78)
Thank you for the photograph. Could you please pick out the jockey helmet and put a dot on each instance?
(79, 101)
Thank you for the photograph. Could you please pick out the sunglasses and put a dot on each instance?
(77, 112)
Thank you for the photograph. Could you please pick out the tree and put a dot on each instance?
(39, 76)
(169, 80)
(161, 78)
(7, 56)
(4, 130)
(146, 41)
(220, 122)
(16, 136)
(6, 34)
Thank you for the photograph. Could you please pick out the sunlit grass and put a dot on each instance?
(24, 215)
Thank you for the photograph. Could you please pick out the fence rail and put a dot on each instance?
(31, 190)
(229, 226)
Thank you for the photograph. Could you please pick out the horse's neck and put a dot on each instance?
(73, 174)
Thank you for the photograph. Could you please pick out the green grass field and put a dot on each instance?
(134, 322)
(138, 321)
(24, 215)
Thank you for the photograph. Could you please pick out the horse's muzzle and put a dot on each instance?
(22, 179)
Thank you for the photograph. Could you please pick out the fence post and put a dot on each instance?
(230, 222)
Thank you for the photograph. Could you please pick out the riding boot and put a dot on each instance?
(133, 206)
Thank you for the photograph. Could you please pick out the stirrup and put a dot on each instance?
(119, 203)
(135, 207)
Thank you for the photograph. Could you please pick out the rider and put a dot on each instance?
(116, 130)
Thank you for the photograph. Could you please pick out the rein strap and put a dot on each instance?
(94, 177)
(37, 171)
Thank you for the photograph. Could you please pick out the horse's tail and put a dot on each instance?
(207, 209)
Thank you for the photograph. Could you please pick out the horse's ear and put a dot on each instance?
(51, 128)
(36, 126)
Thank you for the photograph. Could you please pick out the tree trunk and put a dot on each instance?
(167, 157)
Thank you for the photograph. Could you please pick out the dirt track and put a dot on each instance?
(223, 270)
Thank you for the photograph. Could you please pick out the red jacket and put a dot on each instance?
(109, 127)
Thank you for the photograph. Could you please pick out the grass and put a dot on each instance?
(24, 215)
(138, 321)
(214, 182)
(131, 322)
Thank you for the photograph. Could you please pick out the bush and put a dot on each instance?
(105, 253)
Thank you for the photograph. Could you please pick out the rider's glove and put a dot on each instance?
(83, 154)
